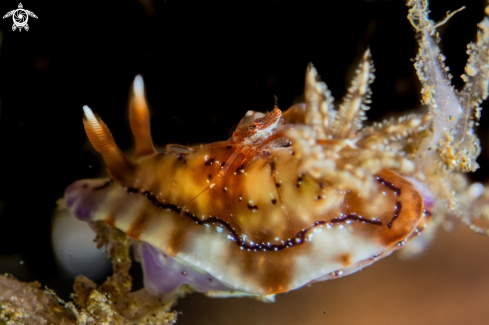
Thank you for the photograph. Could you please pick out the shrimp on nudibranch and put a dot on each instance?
(290, 199)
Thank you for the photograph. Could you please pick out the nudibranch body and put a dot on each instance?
(258, 228)
(292, 198)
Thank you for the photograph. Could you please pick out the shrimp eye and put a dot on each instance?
(252, 127)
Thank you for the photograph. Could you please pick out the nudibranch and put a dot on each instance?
(292, 198)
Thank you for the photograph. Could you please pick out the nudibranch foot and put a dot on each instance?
(177, 273)
(238, 294)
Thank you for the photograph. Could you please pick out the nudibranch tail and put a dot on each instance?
(102, 140)
(139, 119)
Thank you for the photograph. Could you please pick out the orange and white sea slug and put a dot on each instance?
(292, 198)
(241, 215)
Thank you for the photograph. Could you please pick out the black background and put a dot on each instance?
(204, 66)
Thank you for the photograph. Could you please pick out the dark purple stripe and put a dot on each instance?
(299, 237)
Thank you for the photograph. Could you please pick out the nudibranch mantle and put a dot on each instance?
(248, 237)
(241, 215)
(292, 198)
